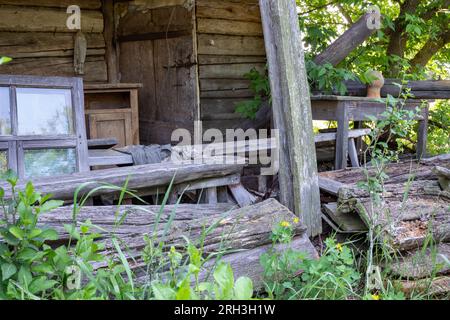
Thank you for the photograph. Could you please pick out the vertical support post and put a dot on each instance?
(342, 136)
(109, 34)
(422, 134)
(299, 186)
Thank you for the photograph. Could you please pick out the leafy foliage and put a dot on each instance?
(4, 60)
(290, 274)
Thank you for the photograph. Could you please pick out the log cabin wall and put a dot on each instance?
(34, 33)
(230, 43)
(157, 50)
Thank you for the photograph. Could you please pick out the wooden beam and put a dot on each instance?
(299, 186)
(110, 39)
(345, 44)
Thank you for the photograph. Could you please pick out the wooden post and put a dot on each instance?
(299, 186)
(109, 34)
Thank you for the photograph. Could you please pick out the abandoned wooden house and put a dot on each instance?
(77, 101)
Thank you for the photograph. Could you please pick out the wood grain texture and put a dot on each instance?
(291, 106)
(41, 19)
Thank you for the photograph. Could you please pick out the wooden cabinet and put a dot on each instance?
(112, 112)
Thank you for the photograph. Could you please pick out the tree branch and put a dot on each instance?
(431, 47)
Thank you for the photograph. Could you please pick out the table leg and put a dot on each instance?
(342, 136)
(422, 134)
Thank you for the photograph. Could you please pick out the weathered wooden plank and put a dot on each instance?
(349, 222)
(232, 10)
(229, 27)
(83, 4)
(443, 176)
(46, 44)
(218, 59)
(140, 177)
(241, 195)
(230, 45)
(27, 19)
(299, 186)
(228, 71)
(95, 68)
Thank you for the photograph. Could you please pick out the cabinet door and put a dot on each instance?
(112, 125)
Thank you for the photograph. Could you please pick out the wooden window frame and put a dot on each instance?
(17, 145)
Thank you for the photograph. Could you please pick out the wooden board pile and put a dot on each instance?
(243, 233)
(414, 209)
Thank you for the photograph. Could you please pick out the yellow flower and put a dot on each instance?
(375, 297)
(285, 224)
(339, 247)
(296, 220)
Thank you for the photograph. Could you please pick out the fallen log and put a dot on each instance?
(243, 234)
(433, 287)
(419, 263)
(443, 176)
(138, 177)
(245, 228)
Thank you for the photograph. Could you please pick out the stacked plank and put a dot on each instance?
(412, 210)
(243, 234)
(36, 35)
(230, 44)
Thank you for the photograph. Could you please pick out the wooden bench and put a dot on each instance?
(352, 136)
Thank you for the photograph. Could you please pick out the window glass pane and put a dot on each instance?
(5, 118)
(44, 111)
(49, 162)
(3, 161)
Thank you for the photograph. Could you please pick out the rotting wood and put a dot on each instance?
(299, 186)
(443, 176)
(436, 286)
(244, 234)
(139, 177)
(420, 263)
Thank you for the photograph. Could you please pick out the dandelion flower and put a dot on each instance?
(375, 297)
(285, 224)
(296, 220)
(339, 247)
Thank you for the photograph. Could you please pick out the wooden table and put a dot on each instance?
(345, 109)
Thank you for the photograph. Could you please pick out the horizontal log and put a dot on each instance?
(231, 229)
(45, 44)
(27, 19)
(83, 4)
(228, 71)
(229, 27)
(230, 45)
(218, 59)
(232, 10)
(140, 177)
(95, 69)
(419, 263)
(433, 287)
(429, 89)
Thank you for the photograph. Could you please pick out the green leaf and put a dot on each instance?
(24, 276)
(162, 292)
(8, 270)
(49, 235)
(51, 205)
(184, 292)
(243, 289)
(225, 280)
(17, 232)
(4, 60)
